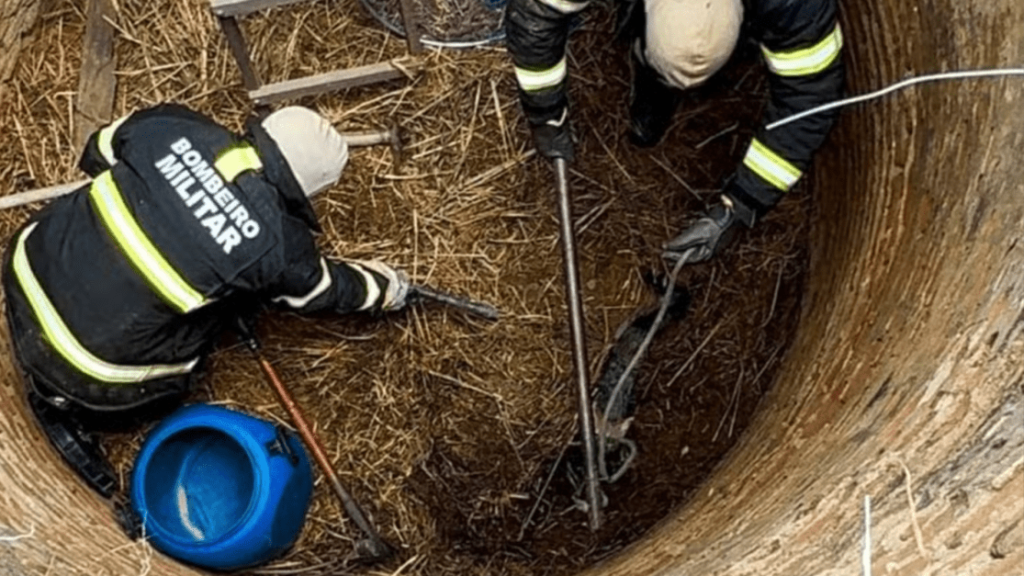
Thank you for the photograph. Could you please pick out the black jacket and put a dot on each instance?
(117, 291)
(801, 42)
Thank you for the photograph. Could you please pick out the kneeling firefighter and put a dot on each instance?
(676, 45)
(117, 292)
(679, 44)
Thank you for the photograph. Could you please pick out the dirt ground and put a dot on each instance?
(446, 429)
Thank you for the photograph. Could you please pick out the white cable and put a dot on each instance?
(865, 557)
(31, 532)
(602, 436)
(897, 86)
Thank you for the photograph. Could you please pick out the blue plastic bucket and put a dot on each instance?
(221, 489)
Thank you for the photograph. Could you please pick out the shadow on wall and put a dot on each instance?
(904, 384)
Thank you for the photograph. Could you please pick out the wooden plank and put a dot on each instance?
(22, 198)
(412, 26)
(239, 49)
(96, 82)
(242, 7)
(353, 139)
(371, 138)
(17, 17)
(336, 80)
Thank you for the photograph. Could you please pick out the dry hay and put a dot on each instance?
(445, 428)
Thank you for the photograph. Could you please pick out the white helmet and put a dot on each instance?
(689, 40)
(313, 149)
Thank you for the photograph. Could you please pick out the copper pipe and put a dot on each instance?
(373, 547)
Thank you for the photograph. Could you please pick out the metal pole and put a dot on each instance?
(353, 139)
(236, 41)
(579, 348)
(411, 25)
(49, 193)
(373, 547)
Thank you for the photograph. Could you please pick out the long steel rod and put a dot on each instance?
(375, 546)
(579, 347)
(40, 194)
(354, 139)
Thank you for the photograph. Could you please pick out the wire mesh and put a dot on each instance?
(446, 23)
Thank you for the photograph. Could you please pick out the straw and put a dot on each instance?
(447, 428)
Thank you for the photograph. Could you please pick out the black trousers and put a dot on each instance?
(46, 372)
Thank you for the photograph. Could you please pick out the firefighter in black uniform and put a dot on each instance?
(117, 292)
(678, 44)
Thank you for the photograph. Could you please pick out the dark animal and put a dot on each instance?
(628, 339)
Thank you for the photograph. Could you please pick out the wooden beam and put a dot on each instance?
(412, 26)
(96, 82)
(239, 49)
(336, 80)
(354, 139)
(17, 17)
(242, 7)
(22, 198)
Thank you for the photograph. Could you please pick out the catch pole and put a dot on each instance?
(579, 348)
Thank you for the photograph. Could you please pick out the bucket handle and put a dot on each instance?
(281, 446)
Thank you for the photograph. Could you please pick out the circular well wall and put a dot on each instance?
(907, 369)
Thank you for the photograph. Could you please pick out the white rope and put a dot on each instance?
(897, 86)
(31, 532)
(865, 558)
(602, 436)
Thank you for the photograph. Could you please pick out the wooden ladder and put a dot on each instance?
(228, 12)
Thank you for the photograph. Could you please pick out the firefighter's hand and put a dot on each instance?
(392, 283)
(553, 138)
(397, 292)
(704, 237)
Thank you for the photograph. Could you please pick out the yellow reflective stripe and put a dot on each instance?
(775, 169)
(105, 140)
(134, 243)
(565, 6)
(234, 161)
(533, 80)
(64, 342)
(806, 61)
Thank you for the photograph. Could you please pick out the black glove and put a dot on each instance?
(553, 139)
(706, 236)
(630, 20)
